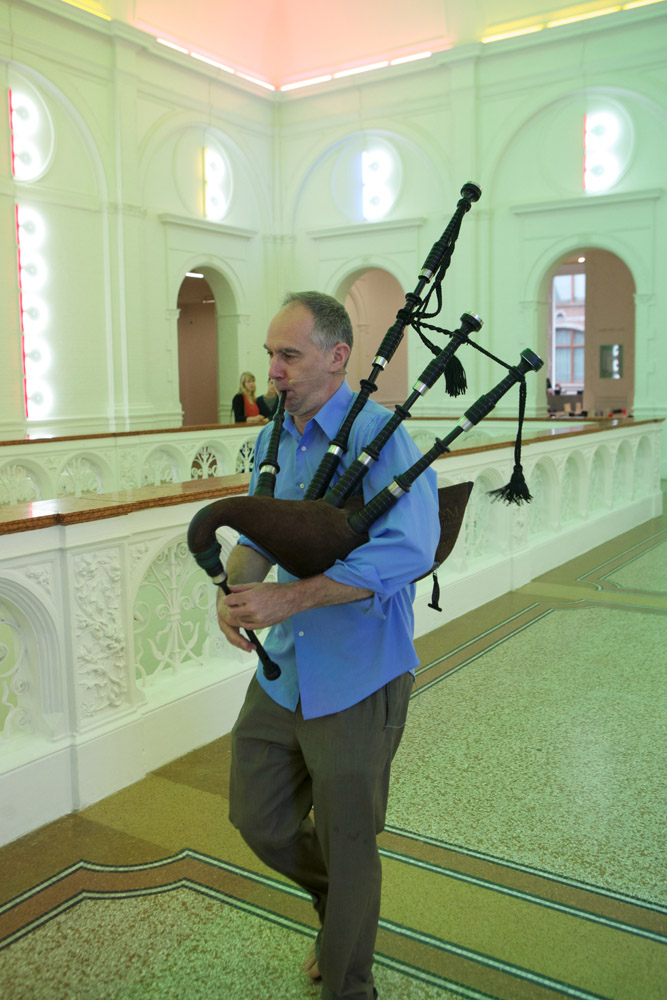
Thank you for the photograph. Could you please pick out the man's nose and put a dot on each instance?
(276, 370)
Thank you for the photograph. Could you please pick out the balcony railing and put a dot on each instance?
(111, 662)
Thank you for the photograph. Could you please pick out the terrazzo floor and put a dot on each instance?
(524, 856)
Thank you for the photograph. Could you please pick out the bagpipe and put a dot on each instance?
(331, 521)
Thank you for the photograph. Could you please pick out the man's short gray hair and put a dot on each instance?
(332, 323)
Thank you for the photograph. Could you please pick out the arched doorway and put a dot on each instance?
(591, 335)
(372, 297)
(197, 351)
(208, 347)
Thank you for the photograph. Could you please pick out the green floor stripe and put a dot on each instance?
(526, 897)
(541, 872)
(493, 963)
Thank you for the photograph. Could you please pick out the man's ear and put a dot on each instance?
(340, 354)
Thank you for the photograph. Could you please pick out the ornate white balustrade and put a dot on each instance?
(43, 469)
(111, 662)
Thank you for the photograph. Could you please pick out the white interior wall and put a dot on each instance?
(122, 199)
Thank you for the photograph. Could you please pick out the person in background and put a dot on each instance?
(270, 398)
(247, 409)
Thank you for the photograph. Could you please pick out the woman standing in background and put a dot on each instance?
(247, 409)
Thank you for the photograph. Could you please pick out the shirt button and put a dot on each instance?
(302, 486)
(303, 447)
(300, 633)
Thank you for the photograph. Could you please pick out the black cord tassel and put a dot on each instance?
(435, 595)
(455, 377)
(516, 491)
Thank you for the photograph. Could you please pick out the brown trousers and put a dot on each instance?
(284, 765)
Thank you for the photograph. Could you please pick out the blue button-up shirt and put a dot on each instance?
(333, 657)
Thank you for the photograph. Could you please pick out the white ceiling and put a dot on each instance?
(284, 40)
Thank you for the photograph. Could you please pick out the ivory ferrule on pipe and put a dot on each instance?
(334, 449)
(421, 388)
(380, 361)
(464, 423)
(396, 490)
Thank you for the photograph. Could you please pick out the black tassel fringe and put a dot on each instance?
(516, 490)
(455, 377)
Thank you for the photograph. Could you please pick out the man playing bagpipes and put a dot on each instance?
(312, 749)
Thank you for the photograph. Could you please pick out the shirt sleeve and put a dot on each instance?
(261, 445)
(402, 542)
(238, 408)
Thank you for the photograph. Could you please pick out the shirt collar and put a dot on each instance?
(330, 416)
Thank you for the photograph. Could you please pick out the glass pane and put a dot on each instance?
(578, 364)
(578, 336)
(579, 287)
(563, 288)
(563, 337)
(562, 366)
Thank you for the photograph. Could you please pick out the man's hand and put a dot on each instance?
(259, 605)
(245, 565)
(252, 604)
(228, 628)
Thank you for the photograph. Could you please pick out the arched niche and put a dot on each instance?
(608, 331)
(209, 329)
(174, 175)
(331, 187)
(372, 297)
(538, 153)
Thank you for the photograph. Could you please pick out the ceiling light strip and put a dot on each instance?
(307, 83)
(360, 69)
(582, 17)
(87, 8)
(411, 58)
(567, 20)
(254, 79)
(173, 45)
(512, 34)
(213, 62)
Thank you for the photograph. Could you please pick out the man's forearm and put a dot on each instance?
(258, 605)
(321, 591)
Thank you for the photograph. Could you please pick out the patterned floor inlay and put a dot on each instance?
(444, 930)
(183, 928)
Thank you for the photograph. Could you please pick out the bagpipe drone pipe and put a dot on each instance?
(307, 536)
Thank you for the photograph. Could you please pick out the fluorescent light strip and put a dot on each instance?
(569, 20)
(412, 58)
(582, 17)
(212, 62)
(512, 34)
(307, 83)
(193, 274)
(360, 69)
(254, 79)
(172, 45)
(88, 10)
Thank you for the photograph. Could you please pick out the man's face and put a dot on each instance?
(297, 366)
